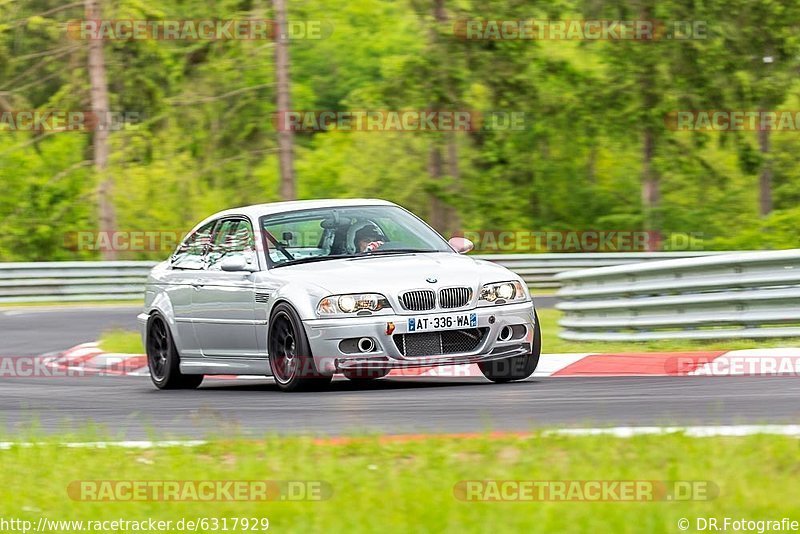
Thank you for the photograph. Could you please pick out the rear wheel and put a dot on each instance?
(290, 353)
(163, 359)
(517, 367)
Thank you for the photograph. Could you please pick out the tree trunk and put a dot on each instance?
(440, 212)
(765, 179)
(438, 217)
(452, 163)
(651, 191)
(100, 110)
(288, 188)
(438, 11)
(651, 188)
(591, 165)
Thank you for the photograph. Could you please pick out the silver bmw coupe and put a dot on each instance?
(303, 290)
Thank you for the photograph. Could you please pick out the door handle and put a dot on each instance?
(198, 284)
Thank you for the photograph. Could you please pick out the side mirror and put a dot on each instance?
(234, 264)
(462, 245)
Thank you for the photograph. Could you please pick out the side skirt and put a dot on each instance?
(226, 366)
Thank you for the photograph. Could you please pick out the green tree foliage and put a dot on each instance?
(206, 138)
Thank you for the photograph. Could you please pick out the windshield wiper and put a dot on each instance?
(311, 259)
(395, 251)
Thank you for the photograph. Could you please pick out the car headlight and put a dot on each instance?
(347, 304)
(502, 292)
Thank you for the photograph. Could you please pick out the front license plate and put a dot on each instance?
(431, 323)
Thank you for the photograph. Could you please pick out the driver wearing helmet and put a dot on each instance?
(368, 239)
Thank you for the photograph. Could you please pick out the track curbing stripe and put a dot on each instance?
(88, 357)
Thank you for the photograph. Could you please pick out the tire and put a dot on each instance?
(163, 359)
(290, 353)
(365, 375)
(516, 367)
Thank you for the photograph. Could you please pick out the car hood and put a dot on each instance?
(390, 274)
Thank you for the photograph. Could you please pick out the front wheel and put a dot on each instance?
(163, 359)
(290, 353)
(517, 367)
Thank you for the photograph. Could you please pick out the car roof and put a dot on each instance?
(257, 210)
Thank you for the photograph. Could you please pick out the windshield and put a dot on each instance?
(344, 232)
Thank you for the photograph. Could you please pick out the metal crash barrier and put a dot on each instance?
(739, 295)
(124, 280)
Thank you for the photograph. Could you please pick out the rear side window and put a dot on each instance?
(190, 254)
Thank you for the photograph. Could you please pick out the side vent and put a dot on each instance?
(263, 298)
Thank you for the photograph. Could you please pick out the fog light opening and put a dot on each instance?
(505, 333)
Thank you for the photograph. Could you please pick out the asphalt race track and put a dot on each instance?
(34, 331)
(131, 408)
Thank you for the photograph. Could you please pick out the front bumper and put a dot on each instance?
(325, 336)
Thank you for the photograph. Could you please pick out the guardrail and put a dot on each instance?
(539, 270)
(73, 281)
(739, 295)
(124, 280)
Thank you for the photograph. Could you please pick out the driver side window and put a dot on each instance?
(234, 237)
(190, 254)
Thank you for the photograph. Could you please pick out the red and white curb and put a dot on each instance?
(89, 358)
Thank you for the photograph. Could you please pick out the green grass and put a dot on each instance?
(121, 341)
(552, 344)
(130, 342)
(407, 486)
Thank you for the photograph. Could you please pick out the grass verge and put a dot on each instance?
(408, 486)
(552, 344)
(121, 341)
(130, 342)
